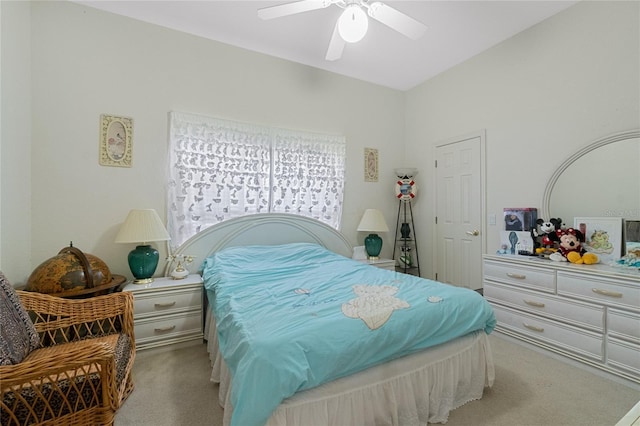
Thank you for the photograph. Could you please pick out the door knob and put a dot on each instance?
(473, 233)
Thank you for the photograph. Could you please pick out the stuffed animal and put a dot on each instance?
(632, 258)
(570, 248)
(541, 234)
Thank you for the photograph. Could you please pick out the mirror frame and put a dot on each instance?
(617, 137)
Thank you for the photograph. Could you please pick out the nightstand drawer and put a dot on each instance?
(388, 264)
(522, 276)
(165, 327)
(167, 301)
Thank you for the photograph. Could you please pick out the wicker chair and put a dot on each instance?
(81, 374)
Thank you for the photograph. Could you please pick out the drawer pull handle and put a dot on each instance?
(533, 327)
(518, 276)
(164, 305)
(606, 292)
(532, 303)
(158, 330)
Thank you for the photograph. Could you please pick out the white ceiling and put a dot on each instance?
(457, 31)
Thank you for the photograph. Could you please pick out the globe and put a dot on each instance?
(71, 272)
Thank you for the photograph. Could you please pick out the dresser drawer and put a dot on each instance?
(522, 276)
(186, 323)
(579, 313)
(582, 342)
(600, 290)
(624, 356)
(624, 325)
(167, 301)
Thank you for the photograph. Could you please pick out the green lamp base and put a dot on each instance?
(143, 261)
(373, 245)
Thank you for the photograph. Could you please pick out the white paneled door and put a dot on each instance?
(459, 211)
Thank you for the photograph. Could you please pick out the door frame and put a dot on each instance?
(482, 134)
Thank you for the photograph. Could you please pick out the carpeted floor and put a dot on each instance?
(531, 389)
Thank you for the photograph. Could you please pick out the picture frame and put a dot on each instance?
(631, 237)
(116, 141)
(603, 236)
(370, 165)
(520, 218)
(515, 243)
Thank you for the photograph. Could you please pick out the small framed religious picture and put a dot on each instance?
(116, 141)
(370, 165)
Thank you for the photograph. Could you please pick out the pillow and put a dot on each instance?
(18, 335)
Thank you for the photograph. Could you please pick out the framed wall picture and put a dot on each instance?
(116, 141)
(603, 236)
(370, 165)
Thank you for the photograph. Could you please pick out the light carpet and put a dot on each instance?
(531, 389)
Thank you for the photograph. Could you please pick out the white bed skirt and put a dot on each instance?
(416, 389)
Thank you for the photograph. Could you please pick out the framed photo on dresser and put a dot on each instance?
(631, 236)
(603, 236)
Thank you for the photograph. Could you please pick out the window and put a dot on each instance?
(220, 169)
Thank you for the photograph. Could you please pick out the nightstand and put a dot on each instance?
(167, 311)
(389, 264)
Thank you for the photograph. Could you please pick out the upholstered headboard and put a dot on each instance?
(261, 229)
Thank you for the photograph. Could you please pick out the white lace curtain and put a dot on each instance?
(220, 169)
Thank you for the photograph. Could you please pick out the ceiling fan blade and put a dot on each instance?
(336, 46)
(396, 20)
(292, 8)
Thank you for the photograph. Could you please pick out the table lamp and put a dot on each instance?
(373, 221)
(142, 226)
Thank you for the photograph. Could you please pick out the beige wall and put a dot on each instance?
(87, 62)
(540, 96)
(15, 137)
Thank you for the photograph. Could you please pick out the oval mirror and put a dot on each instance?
(600, 180)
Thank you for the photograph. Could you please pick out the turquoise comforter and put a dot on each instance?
(294, 316)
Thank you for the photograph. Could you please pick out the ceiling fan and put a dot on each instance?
(353, 23)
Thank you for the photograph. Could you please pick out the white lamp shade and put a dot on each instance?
(353, 24)
(142, 226)
(373, 221)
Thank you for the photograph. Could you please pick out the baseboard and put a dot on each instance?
(171, 347)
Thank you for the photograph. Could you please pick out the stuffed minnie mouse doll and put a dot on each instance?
(570, 248)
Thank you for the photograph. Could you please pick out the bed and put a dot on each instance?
(271, 276)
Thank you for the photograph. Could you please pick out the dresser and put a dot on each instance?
(589, 313)
(167, 311)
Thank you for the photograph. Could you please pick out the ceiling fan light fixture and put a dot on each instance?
(353, 24)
